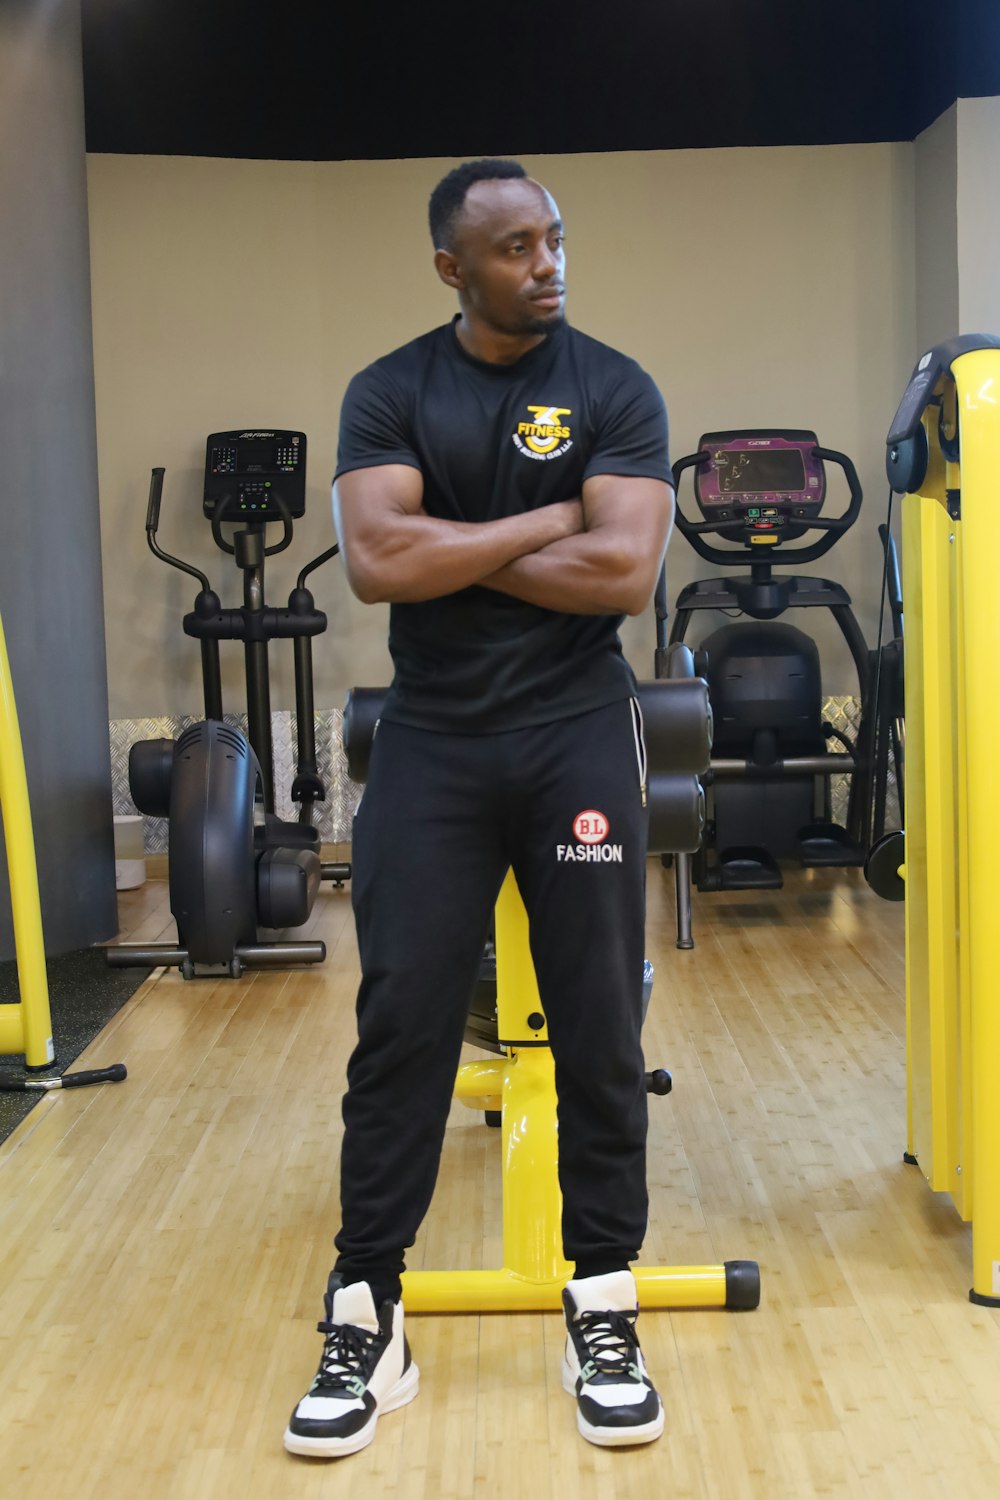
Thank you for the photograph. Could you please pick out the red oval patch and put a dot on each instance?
(591, 827)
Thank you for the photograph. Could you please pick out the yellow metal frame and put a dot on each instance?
(522, 1086)
(25, 1026)
(952, 666)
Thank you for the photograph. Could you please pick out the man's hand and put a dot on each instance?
(394, 552)
(610, 567)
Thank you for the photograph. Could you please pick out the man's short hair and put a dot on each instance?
(449, 195)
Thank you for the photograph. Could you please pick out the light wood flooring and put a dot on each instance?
(165, 1243)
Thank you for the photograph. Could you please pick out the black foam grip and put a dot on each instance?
(114, 1074)
(155, 495)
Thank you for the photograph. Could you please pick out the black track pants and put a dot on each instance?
(442, 818)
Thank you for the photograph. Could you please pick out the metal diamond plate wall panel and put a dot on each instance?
(332, 817)
(283, 754)
(845, 714)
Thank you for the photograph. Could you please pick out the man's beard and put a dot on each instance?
(533, 324)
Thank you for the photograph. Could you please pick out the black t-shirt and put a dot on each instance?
(491, 441)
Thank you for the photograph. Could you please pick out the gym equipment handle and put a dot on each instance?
(152, 523)
(833, 526)
(115, 1074)
(659, 1081)
(117, 1071)
(155, 496)
(316, 563)
(220, 516)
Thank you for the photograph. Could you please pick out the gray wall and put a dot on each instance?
(936, 231)
(50, 557)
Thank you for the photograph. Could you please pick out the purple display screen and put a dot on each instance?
(756, 469)
(743, 470)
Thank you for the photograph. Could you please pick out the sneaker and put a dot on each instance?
(616, 1403)
(365, 1371)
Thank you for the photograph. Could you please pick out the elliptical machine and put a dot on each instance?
(234, 866)
(769, 781)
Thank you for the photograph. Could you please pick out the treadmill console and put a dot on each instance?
(248, 467)
(767, 485)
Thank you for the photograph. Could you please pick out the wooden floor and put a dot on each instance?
(166, 1242)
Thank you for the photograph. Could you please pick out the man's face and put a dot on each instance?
(508, 260)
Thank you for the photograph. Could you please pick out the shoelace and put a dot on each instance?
(611, 1339)
(346, 1356)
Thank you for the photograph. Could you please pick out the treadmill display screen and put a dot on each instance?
(753, 471)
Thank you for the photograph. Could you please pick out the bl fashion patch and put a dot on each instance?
(546, 435)
(590, 829)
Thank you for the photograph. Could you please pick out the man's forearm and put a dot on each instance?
(416, 557)
(588, 574)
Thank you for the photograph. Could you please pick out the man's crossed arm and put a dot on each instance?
(597, 555)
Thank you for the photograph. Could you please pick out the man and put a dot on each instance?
(503, 482)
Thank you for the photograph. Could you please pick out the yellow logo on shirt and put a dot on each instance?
(546, 435)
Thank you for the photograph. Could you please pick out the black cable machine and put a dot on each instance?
(769, 781)
(234, 866)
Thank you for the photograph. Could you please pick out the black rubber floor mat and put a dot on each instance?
(84, 994)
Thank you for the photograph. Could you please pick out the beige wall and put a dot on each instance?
(979, 214)
(758, 287)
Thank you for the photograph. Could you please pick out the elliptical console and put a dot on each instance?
(768, 485)
(255, 472)
(759, 491)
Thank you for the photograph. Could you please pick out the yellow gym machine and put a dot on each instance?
(520, 1083)
(25, 1026)
(943, 456)
(522, 1086)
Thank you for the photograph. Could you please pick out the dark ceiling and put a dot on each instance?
(326, 80)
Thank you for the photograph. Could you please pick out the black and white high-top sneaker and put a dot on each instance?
(616, 1403)
(365, 1371)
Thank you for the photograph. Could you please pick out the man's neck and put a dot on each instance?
(491, 346)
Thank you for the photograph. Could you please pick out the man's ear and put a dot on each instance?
(449, 270)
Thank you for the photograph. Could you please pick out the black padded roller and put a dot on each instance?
(679, 661)
(883, 863)
(677, 721)
(676, 814)
(150, 769)
(362, 711)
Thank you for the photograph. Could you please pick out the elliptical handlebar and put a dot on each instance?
(220, 515)
(316, 563)
(660, 608)
(153, 520)
(152, 523)
(833, 526)
(155, 496)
